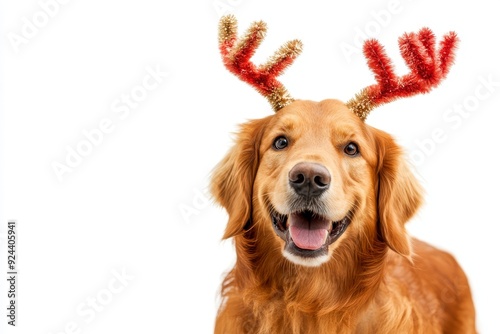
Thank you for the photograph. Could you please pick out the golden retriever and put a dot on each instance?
(317, 203)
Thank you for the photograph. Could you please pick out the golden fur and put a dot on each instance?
(376, 279)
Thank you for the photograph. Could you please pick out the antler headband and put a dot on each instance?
(236, 55)
(428, 66)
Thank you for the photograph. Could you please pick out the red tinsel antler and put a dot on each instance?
(428, 68)
(236, 55)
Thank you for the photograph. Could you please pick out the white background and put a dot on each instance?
(121, 208)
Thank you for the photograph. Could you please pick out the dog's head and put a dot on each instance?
(314, 179)
(314, 176)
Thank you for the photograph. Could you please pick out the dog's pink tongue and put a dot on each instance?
(308, 233)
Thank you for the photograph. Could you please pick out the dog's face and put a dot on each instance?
(314, 177)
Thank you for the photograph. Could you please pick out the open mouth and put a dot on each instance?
(306, 233)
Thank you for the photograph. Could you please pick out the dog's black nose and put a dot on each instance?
(309, 179)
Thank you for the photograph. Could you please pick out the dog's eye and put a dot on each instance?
(351, 149)
(280, 143)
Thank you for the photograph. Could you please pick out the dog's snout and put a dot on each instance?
(309, 179)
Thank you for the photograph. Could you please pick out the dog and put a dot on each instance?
(317, 203)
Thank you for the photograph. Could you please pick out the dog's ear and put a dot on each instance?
(399, 194)
(233, 178)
